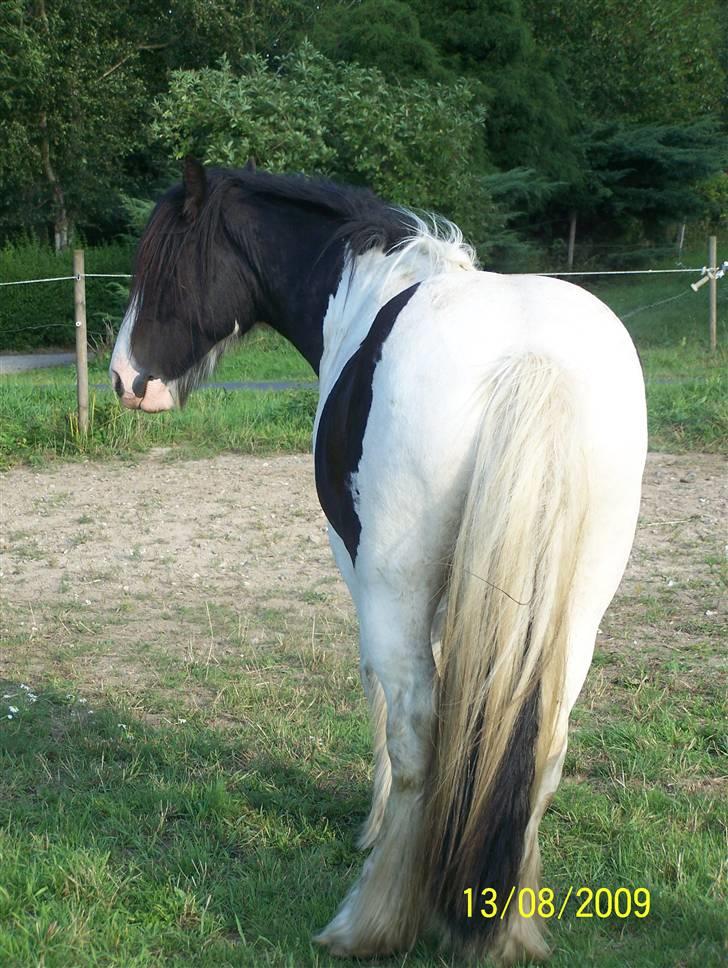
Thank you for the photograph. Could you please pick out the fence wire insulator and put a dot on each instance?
(708, 275)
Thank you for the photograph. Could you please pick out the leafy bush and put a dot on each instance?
(41, 315)
(415, 144)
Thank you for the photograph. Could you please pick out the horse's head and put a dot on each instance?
(191, 294)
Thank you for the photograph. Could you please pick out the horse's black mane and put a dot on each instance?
(363, 220)
(356, 216)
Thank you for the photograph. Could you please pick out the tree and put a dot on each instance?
(379, 33)
(653, 62)
(645, 80)
(489, 42)
(412, 143)
(529, 118)
(637, 180)
(72, 95)
(77, 80)
(651, 172)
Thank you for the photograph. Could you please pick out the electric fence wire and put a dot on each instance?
(86, 275)
(124, 275)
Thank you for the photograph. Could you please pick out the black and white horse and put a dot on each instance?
(479, 447)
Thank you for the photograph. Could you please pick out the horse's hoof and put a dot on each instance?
(340, 949)
(337, 937)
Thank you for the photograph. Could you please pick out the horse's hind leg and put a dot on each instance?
(377, 715)
(382, 766)
(382, 911)
(378, 719)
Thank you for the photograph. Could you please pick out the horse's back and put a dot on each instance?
(427, 395)
(457, 329)
(457, 326)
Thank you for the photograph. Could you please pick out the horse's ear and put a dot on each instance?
(250, 164)
(195, 181)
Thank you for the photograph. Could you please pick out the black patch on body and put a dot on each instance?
(343, 422)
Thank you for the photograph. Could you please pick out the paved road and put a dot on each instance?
(243, 385)
(19, 362)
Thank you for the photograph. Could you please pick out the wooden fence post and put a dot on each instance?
(79, 301)
(713, 265)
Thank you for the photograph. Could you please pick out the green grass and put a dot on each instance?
(208, 817)
(40, 422)
(41, 425)
(689, 416)
(687, 389)
(687, 385)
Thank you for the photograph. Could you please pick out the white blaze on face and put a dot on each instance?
(155, 395)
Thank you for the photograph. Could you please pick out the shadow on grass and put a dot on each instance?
(168, 838)
(125, 842)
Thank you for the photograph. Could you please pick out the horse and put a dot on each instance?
(479, 444)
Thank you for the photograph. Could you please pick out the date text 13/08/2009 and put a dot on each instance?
(604, 902)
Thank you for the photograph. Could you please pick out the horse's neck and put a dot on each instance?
(328, 297)
(302, 272)
(367, 282)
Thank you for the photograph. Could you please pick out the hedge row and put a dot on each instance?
(41, 315)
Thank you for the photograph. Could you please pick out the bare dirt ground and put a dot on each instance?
(101, 560)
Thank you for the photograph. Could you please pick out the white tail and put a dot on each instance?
(504, 649)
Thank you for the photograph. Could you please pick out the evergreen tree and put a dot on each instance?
(529, 118)
(650, 172)
(379, 33)
(653, 62)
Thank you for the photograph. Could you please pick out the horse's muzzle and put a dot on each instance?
(147, 392)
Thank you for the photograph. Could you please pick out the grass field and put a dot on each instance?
(40, 417)
(129, 842)
(184, 751)
(687, 391)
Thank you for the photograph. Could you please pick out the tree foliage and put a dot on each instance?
(652, 62)
(489, 42)
(72, 96)
(384, 34)
(413, 143)
(648, 172)
(77, 80)
(586, 106)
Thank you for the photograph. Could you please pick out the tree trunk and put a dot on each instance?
(572, 239)
(61, 225)
(61, 229)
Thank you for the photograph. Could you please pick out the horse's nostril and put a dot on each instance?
(118, 385)
(139, 386)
